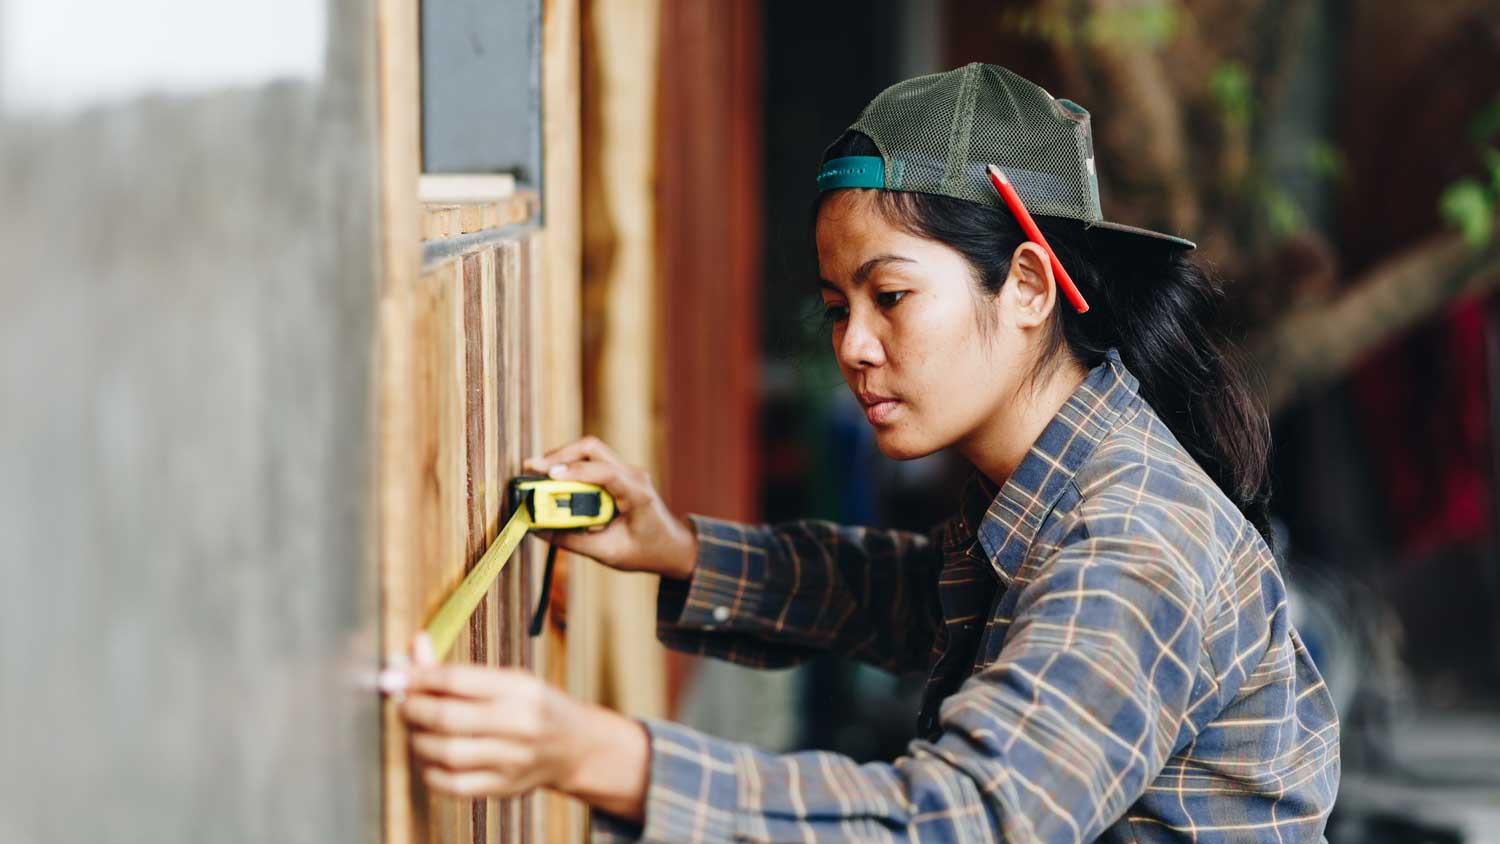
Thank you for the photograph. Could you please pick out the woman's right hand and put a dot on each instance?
(644, 535)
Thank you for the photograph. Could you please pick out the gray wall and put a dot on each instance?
(187, 576)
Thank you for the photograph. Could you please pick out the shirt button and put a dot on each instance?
(721, 614)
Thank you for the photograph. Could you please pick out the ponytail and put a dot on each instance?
(1152, 303)
(1158, 308)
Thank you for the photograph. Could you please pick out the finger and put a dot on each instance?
(466, 753)
(467, 783)
(583, 448)
(393, 680)
(567, 539)
(627, 493)
(441, 714)
(597, 544)
(476, 682)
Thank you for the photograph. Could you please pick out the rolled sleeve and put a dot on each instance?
(725, 591)
(772, 595)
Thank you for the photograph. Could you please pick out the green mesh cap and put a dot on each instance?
(936, 133)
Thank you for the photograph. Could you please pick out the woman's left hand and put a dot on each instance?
(478, 731)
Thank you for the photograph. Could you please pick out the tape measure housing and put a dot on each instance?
(561, 505)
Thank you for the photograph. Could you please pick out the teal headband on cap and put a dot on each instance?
(852, 171)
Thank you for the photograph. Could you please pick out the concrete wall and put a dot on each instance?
(187, 289)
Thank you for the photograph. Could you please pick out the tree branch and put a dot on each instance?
(1316, 344)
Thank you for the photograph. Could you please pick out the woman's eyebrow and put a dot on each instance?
(863, 273)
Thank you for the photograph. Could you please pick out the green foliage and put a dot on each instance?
(1486, 124)
(1137, 25)
(1229, 85)
(1491, 158)
(1283, 214)
(1143, 25)
(1470, 206)
(1326, 160)
(1054, 29)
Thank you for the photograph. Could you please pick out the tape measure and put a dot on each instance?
(536, 501)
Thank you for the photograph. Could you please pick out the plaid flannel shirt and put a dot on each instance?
(1109, 654)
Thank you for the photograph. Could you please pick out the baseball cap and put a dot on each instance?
(936, 134)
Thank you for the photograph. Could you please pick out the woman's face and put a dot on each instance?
(906, 316)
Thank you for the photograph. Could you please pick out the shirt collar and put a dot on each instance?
(1007, 518)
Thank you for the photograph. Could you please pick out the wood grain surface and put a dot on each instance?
(463, 402)
(558, 347)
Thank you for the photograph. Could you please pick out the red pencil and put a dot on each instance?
(1034, 234)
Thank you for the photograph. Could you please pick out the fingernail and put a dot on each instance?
(392, 681)
(422, 650)
(556, 472)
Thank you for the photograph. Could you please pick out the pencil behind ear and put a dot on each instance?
(1034, 234)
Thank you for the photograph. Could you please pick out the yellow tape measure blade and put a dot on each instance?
(453, 616)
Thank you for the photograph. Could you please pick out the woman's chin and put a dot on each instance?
(901, 445)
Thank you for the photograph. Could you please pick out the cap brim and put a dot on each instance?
(1166, 239)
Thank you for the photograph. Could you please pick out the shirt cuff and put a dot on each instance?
(725, 589)
(693, 793)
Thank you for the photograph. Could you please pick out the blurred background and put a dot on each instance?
(204, 250)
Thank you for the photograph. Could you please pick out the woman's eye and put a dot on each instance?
(890, 297)
(835, 313)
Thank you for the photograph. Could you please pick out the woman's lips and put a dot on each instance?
(880, 412)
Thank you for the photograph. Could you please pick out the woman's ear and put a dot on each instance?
(1032, 289)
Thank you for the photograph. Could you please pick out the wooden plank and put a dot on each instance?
(470, 218)
(437, 504)
(468, 382)
(710, 112)
(477, 446)
(397, 472)
(495, 480)
(512, 277)
(619, 293)
(440, 220)
(529, 443)
(558, 346)
(471, 376)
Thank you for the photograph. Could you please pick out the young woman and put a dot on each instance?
(1103, 625)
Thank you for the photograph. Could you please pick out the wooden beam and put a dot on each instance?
(558, 346)
(619, 166)
(709, 262)
(399, 163)
(440, 220)
(1314, 344)
(709, 255)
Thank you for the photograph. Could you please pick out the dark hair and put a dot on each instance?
(1152, 302)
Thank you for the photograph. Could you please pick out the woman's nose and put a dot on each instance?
(860, 347)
